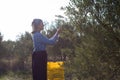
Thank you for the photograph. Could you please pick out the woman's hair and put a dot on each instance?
(35, 24)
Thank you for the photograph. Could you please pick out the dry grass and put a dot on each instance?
(55, 72)
(16, 76)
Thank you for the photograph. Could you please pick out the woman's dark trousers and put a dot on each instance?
(39, 65)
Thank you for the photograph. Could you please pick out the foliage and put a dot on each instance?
(16, 55)
(96, 42)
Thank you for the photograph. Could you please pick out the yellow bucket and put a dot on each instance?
(55, 70)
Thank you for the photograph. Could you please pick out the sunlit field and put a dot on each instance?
(55, 72)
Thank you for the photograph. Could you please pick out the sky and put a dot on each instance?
(16, 15)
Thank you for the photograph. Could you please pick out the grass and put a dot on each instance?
(16, 76)
(55, 72)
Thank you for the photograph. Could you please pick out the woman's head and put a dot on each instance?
(37, 25)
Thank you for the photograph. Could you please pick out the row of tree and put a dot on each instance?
(16, 55)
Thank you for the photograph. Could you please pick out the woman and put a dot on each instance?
(39, 56)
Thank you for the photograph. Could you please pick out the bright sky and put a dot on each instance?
(16, 15)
